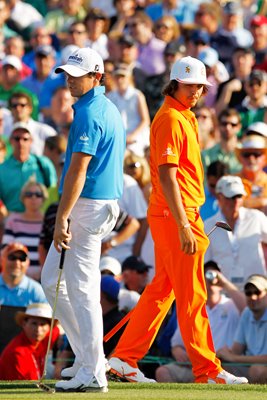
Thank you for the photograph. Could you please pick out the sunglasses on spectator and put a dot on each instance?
(134, 165)
(19, 139)
(133, 25)
(203, 116)
(13, 257)
(249, 154)
(250, 293)
(15, 105)
(254, 83)
(233, 124)
(32, 194)
(164, 26)
(73, 31)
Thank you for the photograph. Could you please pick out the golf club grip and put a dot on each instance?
(62, 258)
(63, 251)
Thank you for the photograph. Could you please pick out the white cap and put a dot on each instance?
(111, 264)
(209, 57)
(128, 299)
(67, 51)
(81, 62)
(40, 310)
(12, 60)
(230, 186)
(189, 70)
(21, 125)
(259, 128)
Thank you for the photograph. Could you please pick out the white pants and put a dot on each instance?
(78, 307)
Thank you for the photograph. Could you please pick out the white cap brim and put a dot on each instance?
(72, 70)
(193, 82)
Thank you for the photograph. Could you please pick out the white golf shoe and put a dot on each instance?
(223, 378)
(124, 371)
(75, 385)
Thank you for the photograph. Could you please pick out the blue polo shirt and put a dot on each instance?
(27, 292)
(97, 130)
(252, 333)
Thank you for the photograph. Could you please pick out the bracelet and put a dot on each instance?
(186, 226)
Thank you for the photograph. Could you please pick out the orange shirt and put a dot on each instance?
(174, 140)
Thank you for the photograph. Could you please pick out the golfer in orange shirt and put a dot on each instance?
(178, 234)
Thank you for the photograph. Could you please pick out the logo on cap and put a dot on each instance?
(76, 58)
(187, 69)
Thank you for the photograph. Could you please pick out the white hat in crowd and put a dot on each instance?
(110, 264)
(40, 310)
(189, 70)
(12, 60)
(81, 62)
(230, 186)
(209, 57)
(259, 128)
(250, 143)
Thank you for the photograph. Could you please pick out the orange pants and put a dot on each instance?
(178, 276)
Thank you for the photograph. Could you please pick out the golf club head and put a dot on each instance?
(45, 388)
(223, 225)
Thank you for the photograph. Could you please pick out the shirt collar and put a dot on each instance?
(96, 91)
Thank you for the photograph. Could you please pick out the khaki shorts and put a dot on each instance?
(180, 374)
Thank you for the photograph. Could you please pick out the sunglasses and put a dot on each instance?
(203, 116)
(133, 25)
(249, 154)
(19, 139)
(164, 26)
(233, 124)
(251, 84)
(16, 105)
(32, 194)
(13, 257)
(250, 293)
(134, 165)
(237, 196)
(72, 32)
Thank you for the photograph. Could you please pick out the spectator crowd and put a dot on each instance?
(139, 40)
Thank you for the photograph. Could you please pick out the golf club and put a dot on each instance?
(124, 320)
(41, 384)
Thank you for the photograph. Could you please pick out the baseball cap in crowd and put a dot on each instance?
(45, 50)
(257, 128)
(128, 299)
(172, 48)
(14, 61)
(257, 75)
(211, 265)
(40, 310)
(232, 8)
(110, 287)
(250, 143)
(122, 70)
(127, 40)
(21, 125)
(258, 20)
(230, 186)
(257, 280)
(81, 62)
(136, 264)
(110, 264)
(199, 36)
(209, 57)
(12, 248)
(189, 70)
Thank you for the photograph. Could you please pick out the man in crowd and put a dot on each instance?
(250, 345)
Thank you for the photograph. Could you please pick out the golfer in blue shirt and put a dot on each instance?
(91, 184)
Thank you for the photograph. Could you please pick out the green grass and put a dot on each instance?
(127, 391)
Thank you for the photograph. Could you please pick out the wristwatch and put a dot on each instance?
(113, 243)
